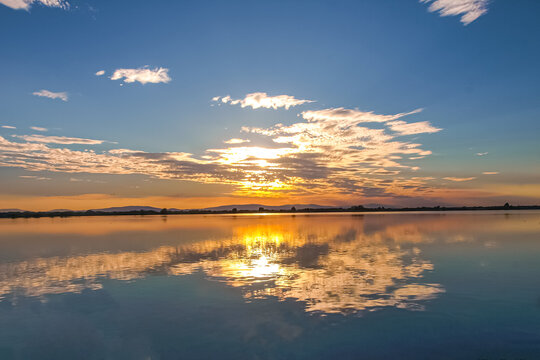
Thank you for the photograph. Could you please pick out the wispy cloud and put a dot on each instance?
(351, 115)
(236, 141)
(37, 128)
(263, 100)
(404, 128)
(143, 75)
(58, 139)
(482, 153)
(8, 127)
(34, 177)
(459, 179)
(25, 4)
(490, 172)
(52, 95)
(100, 72)
(470, 10)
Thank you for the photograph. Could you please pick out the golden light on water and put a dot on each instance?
(330, 265)
(254, 269)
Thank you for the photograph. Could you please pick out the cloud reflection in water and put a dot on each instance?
(331, 267)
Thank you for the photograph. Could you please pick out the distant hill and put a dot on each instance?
(128, 208)
(245, 207)
(268, 207)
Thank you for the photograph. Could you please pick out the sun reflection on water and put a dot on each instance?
(330, 268)
(327, 273)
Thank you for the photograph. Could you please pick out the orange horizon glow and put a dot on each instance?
(255, 193)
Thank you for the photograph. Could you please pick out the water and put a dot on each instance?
(321, 286)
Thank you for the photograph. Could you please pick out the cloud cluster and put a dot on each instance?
(26, 4)
(333, 151)
(36, 155)
(262, 100)
(51, 95)
(143, 75)
(326, 152)
(37, 128)
(470, 10)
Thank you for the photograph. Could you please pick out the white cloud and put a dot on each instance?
(52, 95)
(262, 100)
(100, 72)
(469, 10)
(458, 179)
(143, 75)
(490, 172)
(58, 139)
(124, 151)
(404, 128)
(25, 4)
(236, 141)
(482, 153)
(37, 128)
(8, 127)
(353, 115)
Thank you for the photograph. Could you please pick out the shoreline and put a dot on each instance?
(354, 209)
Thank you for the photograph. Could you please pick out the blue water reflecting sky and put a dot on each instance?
(376, 286)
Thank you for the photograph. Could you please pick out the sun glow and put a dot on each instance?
(263, 248)
(262, 188)
(236, 155)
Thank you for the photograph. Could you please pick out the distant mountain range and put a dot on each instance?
(247, 207)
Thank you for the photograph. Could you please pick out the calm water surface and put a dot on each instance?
(324, 286)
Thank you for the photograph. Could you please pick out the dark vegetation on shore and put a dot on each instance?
(358, 208)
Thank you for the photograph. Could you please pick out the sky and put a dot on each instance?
(191, 104)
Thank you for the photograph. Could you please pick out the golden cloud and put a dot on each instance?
(332, 150)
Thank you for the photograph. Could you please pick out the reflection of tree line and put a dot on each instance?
(332, 269)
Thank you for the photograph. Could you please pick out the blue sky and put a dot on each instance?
(477, 82)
